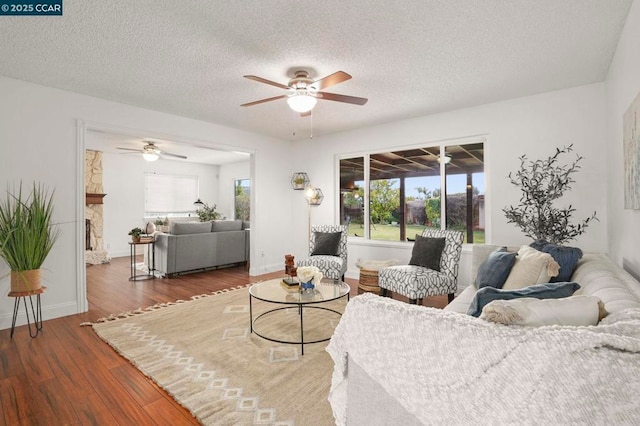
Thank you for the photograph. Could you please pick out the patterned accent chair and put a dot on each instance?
(417, 282)
(332, 267)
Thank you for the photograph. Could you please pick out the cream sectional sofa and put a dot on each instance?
(397, 363)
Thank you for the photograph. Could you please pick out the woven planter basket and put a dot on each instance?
(25, 281)
(368, 282)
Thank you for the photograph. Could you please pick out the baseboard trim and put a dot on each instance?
(48, 313)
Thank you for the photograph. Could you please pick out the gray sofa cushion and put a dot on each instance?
(226, 225)
(327, 243)
(427, 252)
(181, 228)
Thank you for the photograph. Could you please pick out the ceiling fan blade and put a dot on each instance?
(129, 149)
(331, 80)
(343, 98)
(166, 154)
(265, 81)
(263, 101)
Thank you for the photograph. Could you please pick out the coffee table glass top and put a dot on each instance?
(273, 291)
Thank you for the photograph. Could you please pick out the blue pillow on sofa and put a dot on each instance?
(493, 272)
(538, 291)
(567, 258)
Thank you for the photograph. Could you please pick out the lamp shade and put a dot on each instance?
(301, 101)
(198, 203)
(299, 180)
(150, 156)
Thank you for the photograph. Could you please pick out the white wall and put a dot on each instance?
(623, 85)
(228, 174)
(533, 125)
(38, 141)
(123, 182)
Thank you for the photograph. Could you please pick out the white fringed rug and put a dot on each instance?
(203, 354)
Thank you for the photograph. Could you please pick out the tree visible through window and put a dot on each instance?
(413, 189)
(242, 199)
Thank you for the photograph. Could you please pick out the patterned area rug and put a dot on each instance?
(203, 354)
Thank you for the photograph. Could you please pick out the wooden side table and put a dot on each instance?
(36, 312)
(151, 260)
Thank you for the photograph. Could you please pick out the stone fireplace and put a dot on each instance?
(94, 223)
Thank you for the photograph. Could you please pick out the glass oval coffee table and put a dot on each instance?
(273, 291)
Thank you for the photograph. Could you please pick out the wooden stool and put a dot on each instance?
(37, 311)
(368, 282)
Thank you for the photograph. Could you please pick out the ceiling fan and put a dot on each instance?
(151, 152)
(304, 92)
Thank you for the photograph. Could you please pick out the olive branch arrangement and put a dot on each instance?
(542, 182)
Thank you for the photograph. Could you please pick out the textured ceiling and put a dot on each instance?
(410, 58)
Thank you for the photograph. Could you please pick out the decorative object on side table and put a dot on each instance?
(149, 228)
(309, 276)
(135, 234)
(542, 182)
(27, 235)
(160, 225)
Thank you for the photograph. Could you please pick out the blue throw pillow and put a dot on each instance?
(538, 291)
(538, 244)
(567, 258)
(495, 269)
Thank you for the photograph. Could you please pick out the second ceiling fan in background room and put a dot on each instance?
(150, 152)
(305, 92)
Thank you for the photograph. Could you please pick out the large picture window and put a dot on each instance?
(167, 195)
(395, 195)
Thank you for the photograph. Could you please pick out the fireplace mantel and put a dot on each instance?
(94, 198)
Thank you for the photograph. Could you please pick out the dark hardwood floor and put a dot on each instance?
(68, 376)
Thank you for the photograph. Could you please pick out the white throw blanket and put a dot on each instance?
(449, 368)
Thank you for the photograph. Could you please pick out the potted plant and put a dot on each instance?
(27, 235)
(207, 213)
(542, 183)
(135, 234)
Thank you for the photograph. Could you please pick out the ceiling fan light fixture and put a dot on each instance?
(301, 101)
(150, 156)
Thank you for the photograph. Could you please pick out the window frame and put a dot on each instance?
(442, 144)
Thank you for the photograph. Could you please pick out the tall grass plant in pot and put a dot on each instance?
(27, 234)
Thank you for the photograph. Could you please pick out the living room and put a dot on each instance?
(45, 126)
(209, 175)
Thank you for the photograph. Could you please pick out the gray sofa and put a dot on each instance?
(195, 246)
